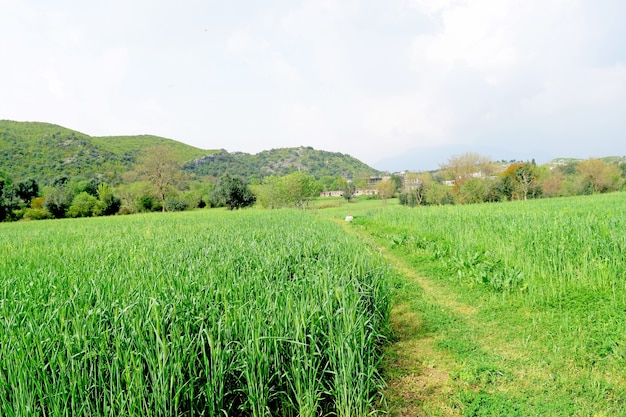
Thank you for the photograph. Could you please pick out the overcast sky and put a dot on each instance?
(399, 84)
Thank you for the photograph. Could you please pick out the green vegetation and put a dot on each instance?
(250, 313)
(280, 162)
(471, 178)
(45, 151)
(134, 146)
(508, 309)
(233, 193)
(292, 190)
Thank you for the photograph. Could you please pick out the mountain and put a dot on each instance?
(46, 151)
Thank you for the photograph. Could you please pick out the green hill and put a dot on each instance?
(280, 162)
(46, 151)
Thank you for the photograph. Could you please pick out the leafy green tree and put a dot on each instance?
(27, 189)
(82, 205)
(386, 189)
(329, 183)
(299, 188)
(176, 203)
(525, 179)
(270, 193)
(8, 197)
(108, 203)
(471, 191)
(502, 189)
(398, 183)
(57, 200)
(233, 193)
(348, 190)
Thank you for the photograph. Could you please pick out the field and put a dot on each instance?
(205, 313)
(511, 309)
(515, 309)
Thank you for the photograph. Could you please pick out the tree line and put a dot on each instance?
(159, 183)
(473, 178)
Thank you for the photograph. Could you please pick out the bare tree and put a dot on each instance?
(466, 165)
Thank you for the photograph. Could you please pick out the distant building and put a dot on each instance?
(357, 192)
(331, 194)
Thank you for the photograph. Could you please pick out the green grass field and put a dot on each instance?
(205, 313)
(521, 305)
(510, 309)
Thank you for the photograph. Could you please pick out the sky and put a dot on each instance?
(398, 84)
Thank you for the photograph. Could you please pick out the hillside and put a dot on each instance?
(46, 151)
(280, 162)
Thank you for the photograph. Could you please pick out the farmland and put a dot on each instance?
(514, 309)
(205, 313)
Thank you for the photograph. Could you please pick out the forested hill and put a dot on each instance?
(281, 162)
(44, 151)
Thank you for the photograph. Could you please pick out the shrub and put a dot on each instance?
(176, 204)
(83, 205)
(37, 214)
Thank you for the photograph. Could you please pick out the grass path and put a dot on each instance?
(417, 374)
(449, 358)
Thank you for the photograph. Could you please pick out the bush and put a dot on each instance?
(176, 204)
(83, 205)
(37, 214)
(148, 203)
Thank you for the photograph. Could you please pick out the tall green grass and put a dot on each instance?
(546, 248)
(548, 277)
(206, 313)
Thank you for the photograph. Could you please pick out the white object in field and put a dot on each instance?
(349, 218)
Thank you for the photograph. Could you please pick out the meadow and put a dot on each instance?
(521, 305)
(249, 313)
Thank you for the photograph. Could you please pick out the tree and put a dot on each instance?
(386, 189)
(328, 183)
(472, 191)
(398, 182)
(299, 188)
(57, 200)
(27, 190)
(108, 203)
(525, 179)
(598, 176)
(348, 190)
(233, 193)
(82, 205)
(467, 165)
(8, 198)
(293, 190)
(161, 170)
(269, 194)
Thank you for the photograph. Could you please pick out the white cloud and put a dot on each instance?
(369, 78)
